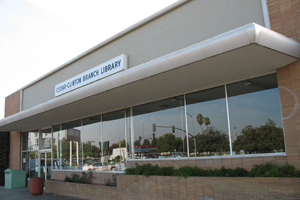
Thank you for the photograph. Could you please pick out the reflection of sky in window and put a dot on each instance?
(254, 109)
(143, 124)
(215, 110)
(92, 132)
(114, 131)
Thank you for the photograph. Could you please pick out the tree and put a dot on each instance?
(212, 140)
(206, 122)
(191, 144)
(146, 143)
(137, 143)
(123, 143)
(200, 120)
(263, 139)
(168, 143)
(154, 142)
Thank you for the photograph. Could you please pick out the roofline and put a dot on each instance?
(249, 34)
(137, 25)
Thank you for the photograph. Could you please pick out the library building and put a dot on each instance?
(200, 83)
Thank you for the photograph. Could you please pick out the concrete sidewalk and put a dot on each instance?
(24, 193)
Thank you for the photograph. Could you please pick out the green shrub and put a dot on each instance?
(148, 169)
(264, 170)
(272, 170)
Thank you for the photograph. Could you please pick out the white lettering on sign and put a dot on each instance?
(99, 72)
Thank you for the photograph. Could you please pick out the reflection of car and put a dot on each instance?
(96, 160)
(85, 167)
(97, 166)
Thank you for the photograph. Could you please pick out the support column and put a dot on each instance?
(289, 90)
(15, 150)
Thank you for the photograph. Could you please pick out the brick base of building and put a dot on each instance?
(167, 187)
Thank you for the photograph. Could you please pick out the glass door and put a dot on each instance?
(45, 153)
(45, 165)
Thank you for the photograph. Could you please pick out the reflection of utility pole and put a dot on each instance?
(57, 155)
(91, 148)
(71, 143)
(131, 132)
(60, 147)
(194, 133)
(143, 127)
(173, 128)
(182, 132)
(119, 139)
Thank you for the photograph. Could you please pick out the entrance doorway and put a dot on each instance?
(45, 164)
(37, 153)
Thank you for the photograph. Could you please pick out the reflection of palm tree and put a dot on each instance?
(206, 122)
(200, 120)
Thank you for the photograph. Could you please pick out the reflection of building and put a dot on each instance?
(144, 151)
(199, 57)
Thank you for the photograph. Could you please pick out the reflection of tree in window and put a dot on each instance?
(263, 139)
(210, 140)
(154, 142)
(169, 143)
(146, 143)
(137, 143)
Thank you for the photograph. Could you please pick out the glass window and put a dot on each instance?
(25, 141)
(46, 138)
(113, 141)
(255, 116)
(33, 164)
(157, 130)
(65, 145)
(32, 142)
(207, 123)
(91, 141)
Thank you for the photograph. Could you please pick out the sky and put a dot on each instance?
(37, 36)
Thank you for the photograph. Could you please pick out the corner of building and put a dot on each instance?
(12, 106)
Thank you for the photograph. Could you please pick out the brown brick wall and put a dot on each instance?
(285, 17)
(15, 150)
(82, 191)
(289, 89)
(12, 106)
(168, 187)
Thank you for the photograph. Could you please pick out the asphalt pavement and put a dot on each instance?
(24, 194)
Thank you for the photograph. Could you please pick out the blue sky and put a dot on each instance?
(36, 36)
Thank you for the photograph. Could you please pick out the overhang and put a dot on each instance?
(245, 52)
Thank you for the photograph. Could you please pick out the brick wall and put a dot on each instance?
(289, 89)
(12, 106)
(100, 178)
(285, 17)
(170, 187)
(82, 191)
(15, 150)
